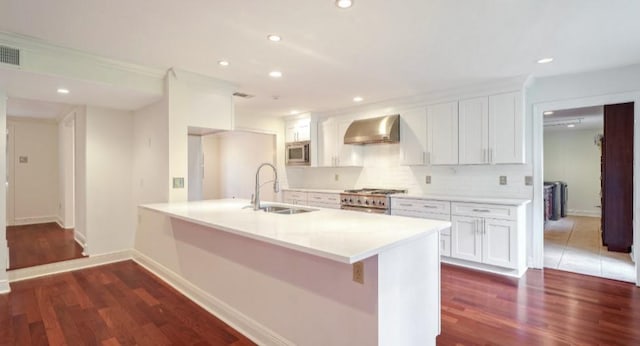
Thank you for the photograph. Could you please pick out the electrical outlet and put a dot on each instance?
(503, 180)
(336, 177)
(358, 272)
(528, 180)
(427, 179)
(178, 182)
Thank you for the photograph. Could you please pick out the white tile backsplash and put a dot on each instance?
(382, 169)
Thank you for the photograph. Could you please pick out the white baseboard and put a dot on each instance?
(515, 273)
(66, 266)
(245, 325)
(589, 213)
(80, 239)
(33, 220)
(62, 225)
(4, 286)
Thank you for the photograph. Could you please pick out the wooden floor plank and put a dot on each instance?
(123, 304)
(32, 245)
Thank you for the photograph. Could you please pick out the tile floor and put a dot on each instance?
(573, 244)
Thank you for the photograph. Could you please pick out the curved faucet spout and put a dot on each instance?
(276, 184)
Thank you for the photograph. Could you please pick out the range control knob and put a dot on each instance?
(350, 200)
(366, 202)
(359, 202)
(381, 202)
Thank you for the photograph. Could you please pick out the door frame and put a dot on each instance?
(538, 167)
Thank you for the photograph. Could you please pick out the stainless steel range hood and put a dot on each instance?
(384, 129)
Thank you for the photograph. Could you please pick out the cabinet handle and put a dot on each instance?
(490, 155)
(428, 155)
(482, 210)
(430, 206)
(484, 155)
(405, 204)
(477, 226)
(315, 197)
(424, 157)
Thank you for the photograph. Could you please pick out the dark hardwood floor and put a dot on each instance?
(114, 304)
(123, 304)
(547, 307)
(32, 245)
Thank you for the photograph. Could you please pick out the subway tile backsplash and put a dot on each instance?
(382, 169)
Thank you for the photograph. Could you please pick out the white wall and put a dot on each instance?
(151, 154)
(193, 101)
(66, 163)
(109, 210)
(195, 168)
(34, 198)
(4, 251)
(211, 188)
(572, 156)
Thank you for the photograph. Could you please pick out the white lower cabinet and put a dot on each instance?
(295, 197)
(323, 200)
(484, 240)
(426, 209)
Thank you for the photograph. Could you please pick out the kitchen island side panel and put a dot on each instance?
(304, 299)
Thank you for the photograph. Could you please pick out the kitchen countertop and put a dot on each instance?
(339, 235)
(468, 199)
(313, 190)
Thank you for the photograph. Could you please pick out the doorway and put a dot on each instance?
(40, 183)
(574, 162)
(537, 219)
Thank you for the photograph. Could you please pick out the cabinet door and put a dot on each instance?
(506, 128)
(442, 134)
(303, 128)
(413, 136)
(346, 154)
(327, 144)
(290, 131)
(466, 239)
(499, 244)
(474, 131)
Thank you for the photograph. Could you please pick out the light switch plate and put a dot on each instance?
(528, 180)
(358, 272)
(503, 180)
(178, 182)
(427, 179)
(23, 159)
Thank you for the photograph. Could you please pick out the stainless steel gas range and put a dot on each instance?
(367, 200)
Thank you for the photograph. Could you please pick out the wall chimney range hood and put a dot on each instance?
(385, 129)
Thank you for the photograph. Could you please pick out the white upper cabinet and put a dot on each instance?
(442, 134)
(506, 128)
(473, 129)
(298, 130)
(332, 152)
(413, 136)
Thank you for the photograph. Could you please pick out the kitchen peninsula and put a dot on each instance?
(289, 279)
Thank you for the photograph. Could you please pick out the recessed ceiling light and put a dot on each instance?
(63, 91)
(357, 99)
(545, 60)
(344, 3)
(274, 38)
(294, 112)
(275, 74)
(223, 63)
(571, 125)
(548, 113)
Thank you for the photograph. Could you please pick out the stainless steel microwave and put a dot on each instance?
(298, 154)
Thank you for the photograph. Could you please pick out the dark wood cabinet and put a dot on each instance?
(617, 177)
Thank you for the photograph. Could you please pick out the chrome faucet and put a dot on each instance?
(276, 185)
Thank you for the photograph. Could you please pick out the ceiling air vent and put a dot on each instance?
(243, 95)
(9, 55)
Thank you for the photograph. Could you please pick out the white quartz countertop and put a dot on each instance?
(314, 190)
(339, 235)
(468, 199)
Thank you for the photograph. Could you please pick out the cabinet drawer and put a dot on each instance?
(505, 212)
(423, 205)
(298, 195)
(425, 215)
(324, 198)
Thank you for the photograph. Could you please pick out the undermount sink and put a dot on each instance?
(285, 210)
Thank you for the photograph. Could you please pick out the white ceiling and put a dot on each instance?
(378, 49)
(17, 107)
(584, 118)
